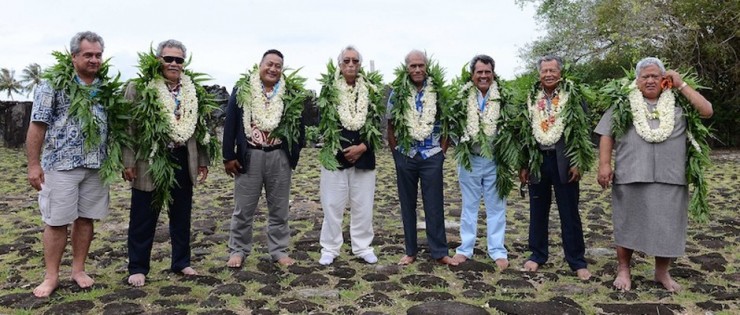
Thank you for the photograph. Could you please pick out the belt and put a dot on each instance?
(548, 152)
(262, 148)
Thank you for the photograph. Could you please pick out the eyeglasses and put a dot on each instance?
(348, 61)
(170, 59)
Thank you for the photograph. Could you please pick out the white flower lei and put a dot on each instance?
(663, 112)
(420, 125)
(353, 103)
(490, 115)
(265, 114)
(180, 130)
(539, 118)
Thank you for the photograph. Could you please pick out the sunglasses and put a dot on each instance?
(170, 59)
(348, 61)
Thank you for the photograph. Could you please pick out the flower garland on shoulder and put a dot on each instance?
(409, 125)
(490, 129)
(341, 106)
(281, 114)
(61, 76)
(621, 93)
(567, 119)
(155, 108)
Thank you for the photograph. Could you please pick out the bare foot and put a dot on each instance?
(460, 258)
(447, 260)
(530, 266)
(407, 260)
(82, 279)
(137, 279)
(189, 271)
(235, 261)
(583, 274)
(502, 263)
(623, 282)
(46, 288)
(665, 279)
(286, 261)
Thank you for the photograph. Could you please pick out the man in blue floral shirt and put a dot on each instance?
(66, 173)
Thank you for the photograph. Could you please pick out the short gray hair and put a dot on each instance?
(415, 52)
(485, 59)
(172, 43)
(74, 44)
(649, 61)
(346, 49)
(549, 57)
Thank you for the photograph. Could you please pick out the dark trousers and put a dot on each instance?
(143, 221)
(566, 196)
(408, 173)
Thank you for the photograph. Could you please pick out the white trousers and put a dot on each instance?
(337, 188)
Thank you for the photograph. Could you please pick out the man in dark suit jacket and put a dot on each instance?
(256, 158)
(556, 171)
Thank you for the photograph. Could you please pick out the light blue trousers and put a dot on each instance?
(474, 184)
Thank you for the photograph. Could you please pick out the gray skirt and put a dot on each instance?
(651, 218)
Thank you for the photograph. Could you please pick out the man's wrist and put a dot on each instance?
(682, 86)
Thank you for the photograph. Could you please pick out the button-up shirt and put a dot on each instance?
(64, 142)
(431, 145)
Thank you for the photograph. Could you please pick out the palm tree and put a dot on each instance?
(31, 77)
(9, 83)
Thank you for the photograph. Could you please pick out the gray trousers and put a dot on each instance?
(270, 170)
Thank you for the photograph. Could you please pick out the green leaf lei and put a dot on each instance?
(295, 94)
(330, 126)
(504, 148)
(61, 76)
(152, 127)
(697, 149)
(576, 133)
(402, 87)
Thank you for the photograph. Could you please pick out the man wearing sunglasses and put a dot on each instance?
(179, 152)
(350, 105)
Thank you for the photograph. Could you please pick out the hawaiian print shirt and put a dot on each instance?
(63, 147)
(431, 144)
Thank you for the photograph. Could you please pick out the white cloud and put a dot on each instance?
(227, 37)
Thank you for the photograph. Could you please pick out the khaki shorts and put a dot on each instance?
(68, 195)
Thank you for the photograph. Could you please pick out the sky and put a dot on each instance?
(225, 38)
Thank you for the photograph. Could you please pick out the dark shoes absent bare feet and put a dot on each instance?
(286, 261)
(530, 266)
(665, 279)
(623, 282)
(235, 261)
(189, 271)
(82, 279)
(460, 258)
(137, 279)
(407, 260)
(447, 260)
(502, 264)
(46, 288)
(583, 274)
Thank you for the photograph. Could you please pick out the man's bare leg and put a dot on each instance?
(82, 234)
(663, 276)
(54, 240)
(623, 281)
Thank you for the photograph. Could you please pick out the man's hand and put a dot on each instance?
(202, 173)
(232, 167)
(605, 175)
(129, 174)
(524, 176)
(35, 176)
(575, 174)
(354, 152)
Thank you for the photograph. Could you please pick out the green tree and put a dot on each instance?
(31, 77)
(603, 37)
(8, 83)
